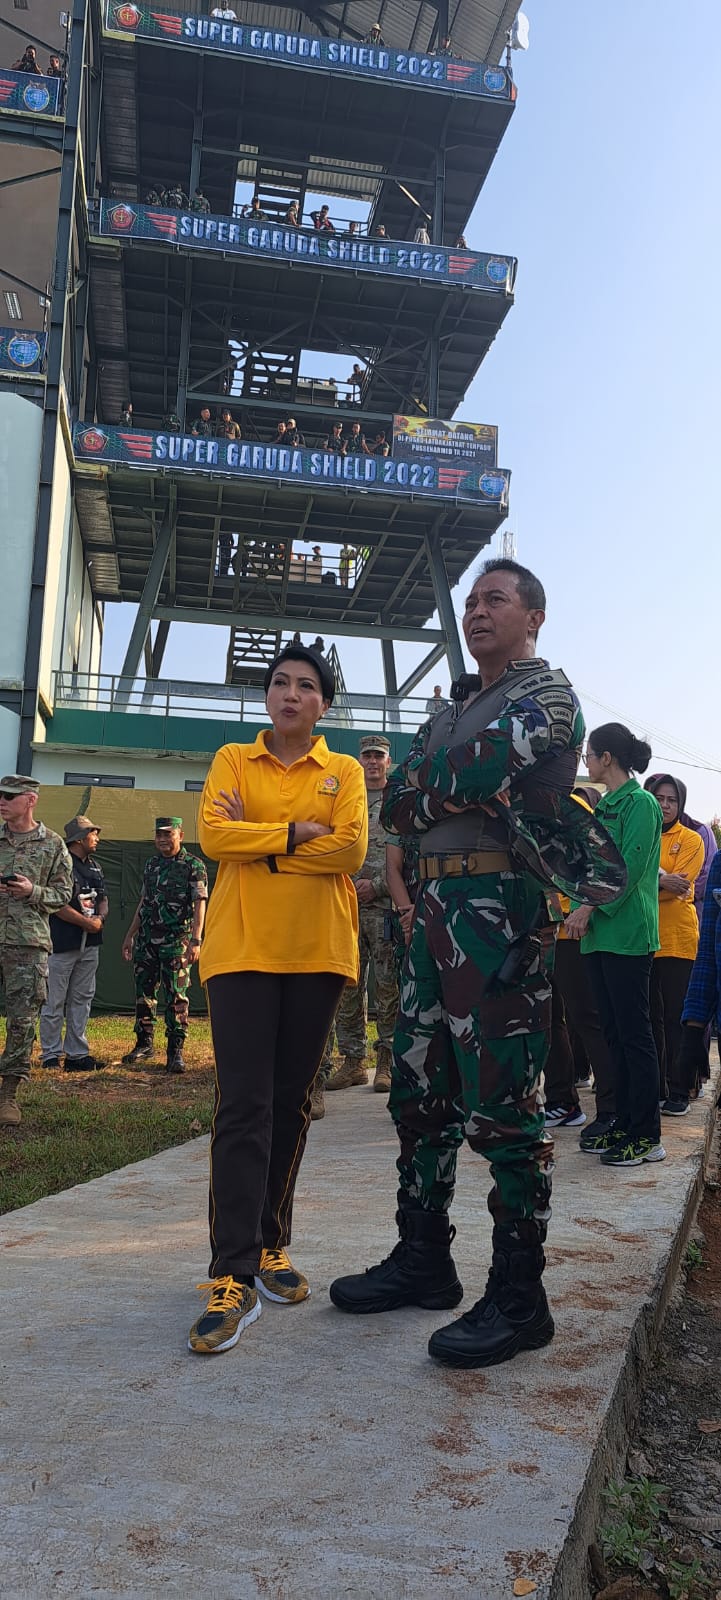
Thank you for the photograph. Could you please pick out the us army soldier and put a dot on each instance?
(36, 877)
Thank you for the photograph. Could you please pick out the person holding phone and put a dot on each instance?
(287, 820)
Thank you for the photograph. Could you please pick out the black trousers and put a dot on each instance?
(621, 986)
(669, 982)
(269, 1030)
(573, 979)
(560, 1069)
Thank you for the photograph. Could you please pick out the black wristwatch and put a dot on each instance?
(193, 941)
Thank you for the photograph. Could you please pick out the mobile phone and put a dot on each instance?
(8, 877)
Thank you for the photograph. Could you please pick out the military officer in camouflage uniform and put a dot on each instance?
(36, 877)
(486, 787)
(375, 939)
(163, 940)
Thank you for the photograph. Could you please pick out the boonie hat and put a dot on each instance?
(165, 824)
(375, 741)
(77, 827)
(17, 783)
(303, 652)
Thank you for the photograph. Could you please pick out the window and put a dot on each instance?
(194, 786)
(13, 305)
(98, 780)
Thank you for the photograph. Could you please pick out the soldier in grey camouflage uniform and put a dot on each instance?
(375, 939)
(36, 877)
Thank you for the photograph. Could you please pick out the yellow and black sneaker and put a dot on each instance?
(231, 1308)
(278, 1280)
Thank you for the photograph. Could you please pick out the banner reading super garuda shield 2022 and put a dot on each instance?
(426, 476)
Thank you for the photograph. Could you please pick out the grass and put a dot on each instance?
(78, 1126)
(636, 1539)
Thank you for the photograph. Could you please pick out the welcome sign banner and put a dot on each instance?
(453, 480)
(121, 219)
(343, 56)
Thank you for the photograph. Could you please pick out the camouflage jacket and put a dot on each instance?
(170, 888)
(519, 769)
(42, 857)
(374, 866)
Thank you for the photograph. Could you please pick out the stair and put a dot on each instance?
(250, 653)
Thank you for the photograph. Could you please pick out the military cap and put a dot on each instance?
(17, 783)
(77, 827)
(162, 824)
(375, 741)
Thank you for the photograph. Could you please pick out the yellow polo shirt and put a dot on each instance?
(682, 850)
(271, 912)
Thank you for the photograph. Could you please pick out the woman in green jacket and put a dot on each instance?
(618, 942)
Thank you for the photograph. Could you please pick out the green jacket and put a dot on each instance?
(42, 857)
(629, 925)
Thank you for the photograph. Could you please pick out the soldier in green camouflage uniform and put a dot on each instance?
(163, 940)
(36, 877)
(375, 941)
(486, 786)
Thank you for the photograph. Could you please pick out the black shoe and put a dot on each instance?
(142, 1051)
(598, 1135)
(674, 1106)
(175, 1062)
(512, 1316)
(82, 1064)
(420, 1271)
(53, 1063)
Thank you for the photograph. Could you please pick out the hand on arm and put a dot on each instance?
(127, 945)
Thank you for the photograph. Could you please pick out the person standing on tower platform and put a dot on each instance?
(163, 940)
(375, 939)
(36, 877)
(487, 786)
(77, 934)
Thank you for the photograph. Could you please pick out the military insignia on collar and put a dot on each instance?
(329, 785)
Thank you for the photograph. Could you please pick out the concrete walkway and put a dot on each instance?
(325, 1456)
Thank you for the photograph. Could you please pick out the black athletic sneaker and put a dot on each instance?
(598, 1136)
(628, 1152)
(675, 1107)
(82, 1064)
(53, 1063)
(565, 1117)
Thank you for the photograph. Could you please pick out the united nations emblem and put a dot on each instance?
(329, 785)
(92, 441)
(23, 350)
(122, 218)
(36, 97)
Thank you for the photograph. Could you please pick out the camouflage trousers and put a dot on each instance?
(169, 968)
(468, 1051)
(24, 974)
(352, 1014)
(326, 1068)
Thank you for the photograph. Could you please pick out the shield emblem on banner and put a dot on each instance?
(93, 441)
(127, 16)
(497, 270)
(122, 218)
(493, 485)
(494, 79)
(24, 350)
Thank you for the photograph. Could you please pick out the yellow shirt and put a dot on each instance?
(271, 912)
(682, 850)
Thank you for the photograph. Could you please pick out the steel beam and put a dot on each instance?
(419, 673)
(54, 378)
(146, 607)
(444, 601)
(272, 622)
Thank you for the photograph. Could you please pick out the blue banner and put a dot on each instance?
(441, 480)
(344, 56)
(245, 237)
(25, 91)
(21, 351)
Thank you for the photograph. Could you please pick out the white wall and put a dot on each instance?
(150, 772)
(51, 647)
(20, 434)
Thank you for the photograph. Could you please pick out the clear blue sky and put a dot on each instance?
(604, 380)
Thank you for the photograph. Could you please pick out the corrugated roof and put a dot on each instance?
(478, 27)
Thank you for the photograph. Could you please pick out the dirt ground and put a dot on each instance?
(677, 1439)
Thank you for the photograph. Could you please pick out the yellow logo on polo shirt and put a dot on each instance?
(329, 785)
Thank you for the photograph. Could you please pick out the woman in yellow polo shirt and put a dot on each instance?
(682, 858)
(288, 821)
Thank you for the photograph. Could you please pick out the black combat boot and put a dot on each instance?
(175, 1062)
(142, 1049)
(420, 1271)
(513, 1314)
